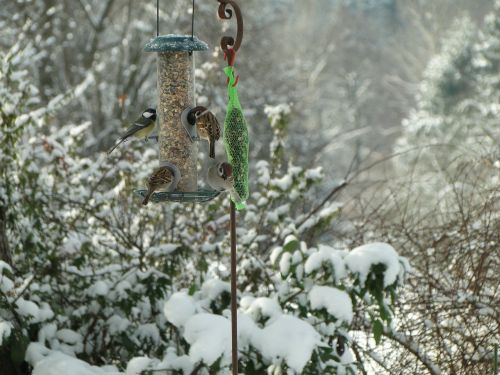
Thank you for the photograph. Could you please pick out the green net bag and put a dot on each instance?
(236, 142)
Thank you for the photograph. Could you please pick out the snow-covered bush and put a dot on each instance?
(87, 272)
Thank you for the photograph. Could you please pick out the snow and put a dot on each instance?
(47, 362)
(296, 257)
(47, 332)
(213, 288)
(284, 183)
(100, 288)
(248, 332)
(4, 266)
(138, 364)
(361, 259)
(209, 337)
(335, 301)
(262, 167)
(285, 263)
(148, 332)
(327, 255)
(32, 311)
(276, 113)
(173, 362)
(179, 308)
(327, 212)
(162, 250)
(121, 289)
(117, 324)
(289, 239)
(5, 330)
(84, 85)
(285, 337)
(69, 336)
(315, 174)
(79, 129)
(290, 339)
(6, 284)
(261, 307)
(72, 243)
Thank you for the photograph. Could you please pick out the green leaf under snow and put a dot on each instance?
(377, 329)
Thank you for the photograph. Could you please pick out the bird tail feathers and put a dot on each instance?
(211, 145)
(146, 198)
(115, 146)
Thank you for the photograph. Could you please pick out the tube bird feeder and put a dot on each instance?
(175, 96)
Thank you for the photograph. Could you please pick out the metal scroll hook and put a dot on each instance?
(225, 13)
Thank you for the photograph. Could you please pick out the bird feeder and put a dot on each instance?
(175, 94)
(175, 61)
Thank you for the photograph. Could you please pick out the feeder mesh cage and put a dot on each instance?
(236, 141)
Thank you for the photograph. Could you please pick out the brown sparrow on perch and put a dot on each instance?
(208, 127)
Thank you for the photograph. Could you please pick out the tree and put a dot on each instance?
(439, 206)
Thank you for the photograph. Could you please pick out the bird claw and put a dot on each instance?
(153, 137)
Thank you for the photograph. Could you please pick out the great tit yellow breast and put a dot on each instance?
(143, 133)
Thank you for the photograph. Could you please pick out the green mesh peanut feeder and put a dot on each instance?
(236, 139)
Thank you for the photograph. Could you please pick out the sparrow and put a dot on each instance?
(208, 128)
(220, 177)
(141, 128)
(161, 179)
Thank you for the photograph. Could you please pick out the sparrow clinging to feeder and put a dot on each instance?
(220, 177)
(164, 178)
(141, 128)
(208, 128)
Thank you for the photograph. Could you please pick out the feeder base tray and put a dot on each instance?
(199, 196)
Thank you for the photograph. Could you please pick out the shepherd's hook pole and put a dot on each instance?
(234, 313)
(226, 42)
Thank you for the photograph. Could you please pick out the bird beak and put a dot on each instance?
(201, 113)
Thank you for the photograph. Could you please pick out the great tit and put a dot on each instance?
(141, 128)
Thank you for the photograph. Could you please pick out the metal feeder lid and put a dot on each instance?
(174, 43)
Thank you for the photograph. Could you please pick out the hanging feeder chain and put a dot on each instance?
(192, 23)
(227, 14)
(157, 17)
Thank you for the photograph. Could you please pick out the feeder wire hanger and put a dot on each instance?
(158, 20)
(192, 23)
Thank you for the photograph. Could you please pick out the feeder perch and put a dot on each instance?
(175, 95)
(199, 196)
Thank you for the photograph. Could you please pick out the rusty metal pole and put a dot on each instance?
(234, 309)
(234, 43)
